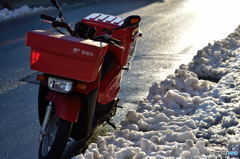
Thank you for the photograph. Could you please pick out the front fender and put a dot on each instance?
(67, 105)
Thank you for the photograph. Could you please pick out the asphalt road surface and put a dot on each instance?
(173, 31)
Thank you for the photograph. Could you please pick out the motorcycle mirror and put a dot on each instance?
(130, 21)
(55, 3)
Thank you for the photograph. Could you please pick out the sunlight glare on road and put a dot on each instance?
(213, 20)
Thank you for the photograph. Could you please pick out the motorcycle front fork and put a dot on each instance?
(47, 116)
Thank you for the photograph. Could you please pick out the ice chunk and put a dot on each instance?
(133, 117)
(229, 121)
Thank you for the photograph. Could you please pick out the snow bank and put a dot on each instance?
(10, 14)
(183, 116)
(215, 60)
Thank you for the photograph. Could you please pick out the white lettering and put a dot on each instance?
(87, 53)
(82, 52)
(76, 50)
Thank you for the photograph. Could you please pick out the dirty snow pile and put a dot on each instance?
(185, 116)
(10, 14)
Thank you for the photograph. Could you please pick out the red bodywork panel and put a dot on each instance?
(67, 106)
(89, 86)
(66, 56)
(102, 21)
(110, 86)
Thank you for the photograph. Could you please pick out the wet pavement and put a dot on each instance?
(173, 31)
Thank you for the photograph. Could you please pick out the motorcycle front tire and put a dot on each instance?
(52, 146)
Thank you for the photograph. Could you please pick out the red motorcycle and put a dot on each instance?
(81, 74)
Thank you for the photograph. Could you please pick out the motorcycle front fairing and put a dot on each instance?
(67, 105)
(74, 107)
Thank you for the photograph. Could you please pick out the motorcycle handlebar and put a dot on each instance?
(55, 23)
(116, 41)
(46, 17)
(109, 41)
(60, 24)
(63, 25)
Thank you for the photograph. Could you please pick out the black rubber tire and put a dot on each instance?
(59, 142)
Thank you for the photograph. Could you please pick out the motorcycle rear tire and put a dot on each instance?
(62, 132)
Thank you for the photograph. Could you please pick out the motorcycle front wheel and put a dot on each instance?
(54, 142)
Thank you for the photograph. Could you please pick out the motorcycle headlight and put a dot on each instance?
(59, 85)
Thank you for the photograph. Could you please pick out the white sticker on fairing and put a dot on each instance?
(92, 16)
(117, 20)
(109, 19)
(105, 18)
(102, 17)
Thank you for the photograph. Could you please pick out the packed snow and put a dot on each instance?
(10, 14)
(192, 114)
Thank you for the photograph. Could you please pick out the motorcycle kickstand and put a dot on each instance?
(112, 124)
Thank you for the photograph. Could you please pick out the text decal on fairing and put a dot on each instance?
(82, 52)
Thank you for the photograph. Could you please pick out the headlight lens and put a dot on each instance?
(59, 85)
